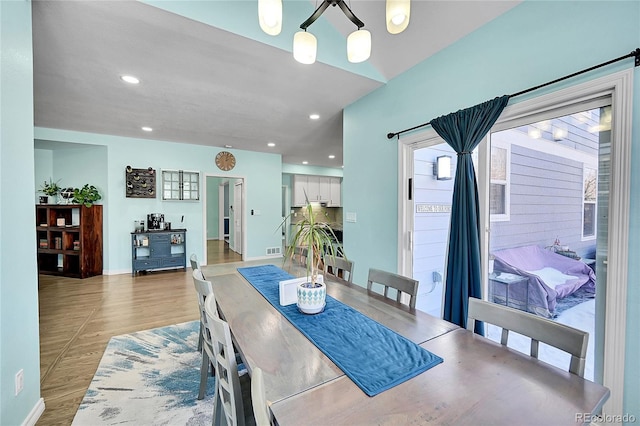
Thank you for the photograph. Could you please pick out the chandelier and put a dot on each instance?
(305, 44)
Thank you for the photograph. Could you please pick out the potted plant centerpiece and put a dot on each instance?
(50, 189)
(318, 238)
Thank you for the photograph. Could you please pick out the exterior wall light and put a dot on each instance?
(442, 167)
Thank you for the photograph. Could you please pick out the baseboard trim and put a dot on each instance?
(35, 413)
(116, 271)
(277, 256)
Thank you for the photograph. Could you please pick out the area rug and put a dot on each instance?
(149, 377)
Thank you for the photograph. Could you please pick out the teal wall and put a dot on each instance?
(19, 340)
(105, 164)
(43, 169)
(533, 43)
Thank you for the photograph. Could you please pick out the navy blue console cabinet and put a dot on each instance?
(154, 250)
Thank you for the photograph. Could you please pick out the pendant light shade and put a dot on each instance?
(359, 46)
(398, 12)
(305, 46)
(270, 16)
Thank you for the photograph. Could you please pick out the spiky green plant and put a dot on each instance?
(50, 188)
(316, 236)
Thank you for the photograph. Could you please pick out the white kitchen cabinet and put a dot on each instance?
(335, 187)
(320, 189)
(300, 185)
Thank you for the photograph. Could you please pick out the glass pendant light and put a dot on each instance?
(398, 12)
(305, 46)
(270, 16)
(359, 46)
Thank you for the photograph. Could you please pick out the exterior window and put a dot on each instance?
(499, 187)
(589, 202)
(180, 185)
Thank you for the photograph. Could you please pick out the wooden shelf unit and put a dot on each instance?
(69, 239)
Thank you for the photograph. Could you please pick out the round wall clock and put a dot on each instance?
(225, 161)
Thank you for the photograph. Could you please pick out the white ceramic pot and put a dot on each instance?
(311, 300)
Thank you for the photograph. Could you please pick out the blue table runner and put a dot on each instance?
(374, 357)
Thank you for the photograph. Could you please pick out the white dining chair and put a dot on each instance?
(259, 399)
(339, 267)
(537, 328)
(194, 262)
(196, 265)
(228, 402)
(204, 291)
(400, 283)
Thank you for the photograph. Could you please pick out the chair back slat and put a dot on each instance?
(539, 329)
(339, 267)
(400, 283)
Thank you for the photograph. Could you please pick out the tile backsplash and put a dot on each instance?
(331, 215)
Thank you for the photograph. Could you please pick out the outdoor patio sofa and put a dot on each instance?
(551, 276)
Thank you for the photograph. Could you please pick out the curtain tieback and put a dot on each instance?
(463, 153)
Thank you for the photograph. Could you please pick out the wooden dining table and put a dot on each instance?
(480, 382)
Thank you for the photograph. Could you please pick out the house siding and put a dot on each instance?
(546, 203)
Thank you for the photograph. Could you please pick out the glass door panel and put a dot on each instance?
(548, 204)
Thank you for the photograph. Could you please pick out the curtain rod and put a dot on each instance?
(634, 53)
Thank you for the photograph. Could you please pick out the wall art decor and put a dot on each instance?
(140, 183)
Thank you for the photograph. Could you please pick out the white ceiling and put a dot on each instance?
(203, 85)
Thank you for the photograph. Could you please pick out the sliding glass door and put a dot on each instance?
(548, 206)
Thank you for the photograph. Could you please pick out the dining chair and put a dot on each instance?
(400, 283)
(259, 399)
(338, 267)
(204, 291)
(196, 265)
(301, 253)
(228, 402)
(537, 328)
(194, 262)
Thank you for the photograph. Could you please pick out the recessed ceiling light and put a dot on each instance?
(228, 146)
(129, 79)
(314, 116)
(305, 162)
(147, 129)
(271, 144)
(332, 156)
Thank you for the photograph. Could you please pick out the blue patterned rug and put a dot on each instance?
(149, 377)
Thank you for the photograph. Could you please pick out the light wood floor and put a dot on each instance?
(78, 317)
(218, 251)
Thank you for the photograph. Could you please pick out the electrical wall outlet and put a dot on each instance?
(19, 381)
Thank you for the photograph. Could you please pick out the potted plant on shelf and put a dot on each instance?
(319, 239)
(50, 189)
(86, 195)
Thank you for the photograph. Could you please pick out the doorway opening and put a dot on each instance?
(224, 222)
(610, 309)
(431, 217)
